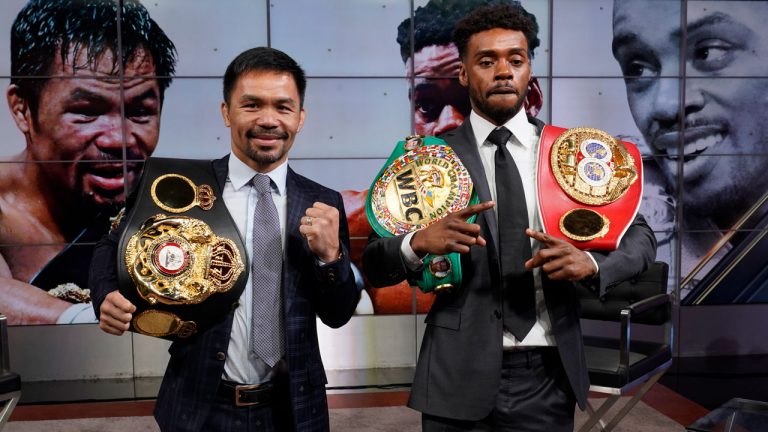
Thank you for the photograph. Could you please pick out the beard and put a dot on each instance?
(262, 157)
(499, 114)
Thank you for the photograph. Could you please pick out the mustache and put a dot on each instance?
(258, 131)
(690, 123)
(134, 160)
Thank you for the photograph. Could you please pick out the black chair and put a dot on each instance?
(10, 383)
(619, 364)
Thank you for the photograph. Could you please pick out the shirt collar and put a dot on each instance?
(518, 125)
(241, 174)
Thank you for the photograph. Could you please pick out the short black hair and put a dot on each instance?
(263, 59)
(45, 28)
(509, 17)
(434, 23)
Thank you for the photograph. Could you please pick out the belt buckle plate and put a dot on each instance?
(240, 388)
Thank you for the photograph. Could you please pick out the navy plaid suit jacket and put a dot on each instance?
(196, 365)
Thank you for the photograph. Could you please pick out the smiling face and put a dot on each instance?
(78, 125)
(721, 115)
(264, 115)
(496, 69)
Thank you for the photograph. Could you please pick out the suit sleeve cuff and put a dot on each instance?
(411, 260)
(336, 272)
(597, 267)
(78, 313)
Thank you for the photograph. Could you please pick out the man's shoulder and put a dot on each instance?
(308, 185)
(536, 122)
(453, 133)
(16, 189)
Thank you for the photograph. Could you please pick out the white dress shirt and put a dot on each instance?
(242, 365)
(524, 148)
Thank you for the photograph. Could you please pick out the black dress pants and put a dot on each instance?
(534, 396)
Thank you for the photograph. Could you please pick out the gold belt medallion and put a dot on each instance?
(420, 187)
(178, 260)
(591, 166)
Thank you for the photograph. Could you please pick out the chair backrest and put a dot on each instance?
(4, 355)
(645, 285)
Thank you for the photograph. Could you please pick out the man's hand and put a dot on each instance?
(116, 313)
(451, 234)
(320, 226)
(559, 259)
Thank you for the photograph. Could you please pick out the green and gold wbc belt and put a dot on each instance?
(422, 182)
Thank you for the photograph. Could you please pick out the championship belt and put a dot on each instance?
(422, 182)
(589, 186)
(180, 257)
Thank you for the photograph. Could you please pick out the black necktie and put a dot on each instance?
(514, 246)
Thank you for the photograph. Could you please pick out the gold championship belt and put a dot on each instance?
(422, 182)
(184, 271)
(589, 186)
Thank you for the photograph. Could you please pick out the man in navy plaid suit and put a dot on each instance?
(210, 379)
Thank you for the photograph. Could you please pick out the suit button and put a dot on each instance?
(301, 389)
(235, 305)
(497, 314)
(221, 356)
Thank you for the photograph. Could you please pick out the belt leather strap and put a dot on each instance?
(246, 395)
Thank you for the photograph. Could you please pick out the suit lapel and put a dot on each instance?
(299, 199)
(220, 169)
(462, 141)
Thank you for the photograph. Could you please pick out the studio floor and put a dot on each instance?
(660, 410)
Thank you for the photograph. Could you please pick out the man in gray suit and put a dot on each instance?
(504, 350)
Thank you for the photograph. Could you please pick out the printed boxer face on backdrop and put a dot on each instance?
(440, 102)
(721, 116)
(78, 124)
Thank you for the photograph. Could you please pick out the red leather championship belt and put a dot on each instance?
(589, 186)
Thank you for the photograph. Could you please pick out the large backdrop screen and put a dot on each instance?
(93, 88)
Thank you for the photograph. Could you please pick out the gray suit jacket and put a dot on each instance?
(459, 367)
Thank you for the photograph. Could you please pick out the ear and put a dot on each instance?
(463, 78)
(225, 114)
(19, 108)
(302, 116)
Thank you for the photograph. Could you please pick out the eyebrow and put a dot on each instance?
(492, 52)
(623, 39)
(426, 85)
(149, 94)
(253, 98)
(83, 94)
(710, 20)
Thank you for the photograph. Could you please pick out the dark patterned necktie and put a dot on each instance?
(514, 246)
(266, 271)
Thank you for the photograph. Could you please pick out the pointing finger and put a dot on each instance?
(475, 209)
(540, 236)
